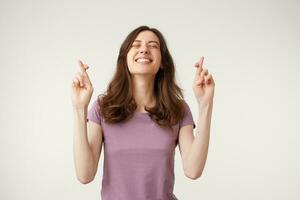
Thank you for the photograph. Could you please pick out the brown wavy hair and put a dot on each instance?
(117, 103)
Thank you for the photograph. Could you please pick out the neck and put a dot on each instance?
(143, 88)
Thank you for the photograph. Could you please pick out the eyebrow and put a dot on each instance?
(151, 41)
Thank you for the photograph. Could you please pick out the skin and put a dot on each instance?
(88, 137)
(194, 147)
(145, 45)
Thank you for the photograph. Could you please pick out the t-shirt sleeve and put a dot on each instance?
(94, 114)
(187, 118)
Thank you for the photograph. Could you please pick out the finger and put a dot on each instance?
(199, 82)
(83, 66)
(80, 83)
(85, 79)
(211, 80)
(204, 72)
(80, 78)
(208, 78)
(202, 75)
(73, 84)
(199, 65)
(76, 82)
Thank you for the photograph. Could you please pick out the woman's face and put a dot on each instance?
(144, 56)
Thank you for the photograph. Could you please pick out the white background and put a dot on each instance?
(251, 48)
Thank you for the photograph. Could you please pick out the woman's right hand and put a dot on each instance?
(82, 88)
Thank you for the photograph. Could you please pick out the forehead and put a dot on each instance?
(147, 36)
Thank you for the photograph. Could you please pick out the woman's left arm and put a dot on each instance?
(194, 149)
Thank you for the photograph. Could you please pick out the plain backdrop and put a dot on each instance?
(250, 47)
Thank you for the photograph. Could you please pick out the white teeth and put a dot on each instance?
(143, 60)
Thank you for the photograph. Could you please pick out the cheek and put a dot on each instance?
(159, 59)
(129, 58)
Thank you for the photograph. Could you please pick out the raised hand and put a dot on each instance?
(82, 88)
(204, 84)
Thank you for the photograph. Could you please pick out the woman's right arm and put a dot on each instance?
(87, 143)
(87, 146)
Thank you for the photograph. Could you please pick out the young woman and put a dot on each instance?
(140, 119)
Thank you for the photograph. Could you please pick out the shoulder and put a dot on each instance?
(186, 107)
(94, 113)
(187, 116)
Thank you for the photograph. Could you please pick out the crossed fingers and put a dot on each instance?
(81, 78)
(202, 76)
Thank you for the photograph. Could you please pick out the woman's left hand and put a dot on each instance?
(203, 85)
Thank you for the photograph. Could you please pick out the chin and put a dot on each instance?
(142, 72)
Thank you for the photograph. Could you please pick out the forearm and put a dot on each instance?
(83, 157)
(199, 149)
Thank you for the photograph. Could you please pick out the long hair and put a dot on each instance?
(117, 103)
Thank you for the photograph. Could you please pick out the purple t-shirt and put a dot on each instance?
(138, 157)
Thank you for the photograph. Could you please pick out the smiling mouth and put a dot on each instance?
(143, 60)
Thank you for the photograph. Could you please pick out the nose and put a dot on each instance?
(143, 49)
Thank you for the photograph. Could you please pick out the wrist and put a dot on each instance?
(205, 104)
(80, 109)
(205, 108)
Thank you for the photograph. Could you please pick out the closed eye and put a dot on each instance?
(136, 45)
(154, 46)
(150, 44)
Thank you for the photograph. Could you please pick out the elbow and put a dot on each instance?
(84, 176)
(85, 180)
(193, 176)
